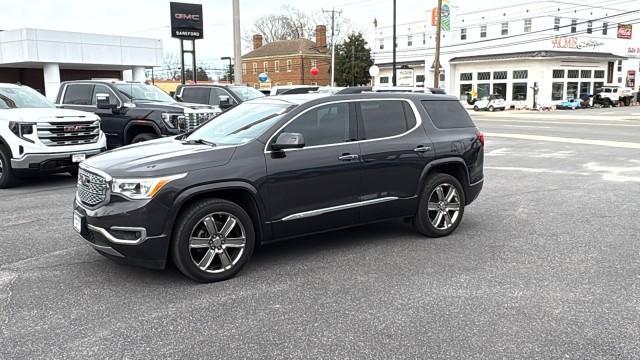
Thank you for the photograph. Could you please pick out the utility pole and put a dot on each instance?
(353, 65)
(237, 52)
(333, 45)
(436, 63)
(393, 66)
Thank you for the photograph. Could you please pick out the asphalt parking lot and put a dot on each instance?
(544, 265)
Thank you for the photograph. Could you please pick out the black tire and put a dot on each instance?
(476, 108)
(74, 172)
(143, 137)
(7, 177)
(193, 221)
(491, 108)
(423, 221)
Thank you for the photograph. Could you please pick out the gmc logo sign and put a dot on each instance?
(73, 128)
(193, 17)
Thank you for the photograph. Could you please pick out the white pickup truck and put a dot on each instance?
(612, 95)
(35, 136)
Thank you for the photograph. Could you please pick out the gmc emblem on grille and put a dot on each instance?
(76, 128)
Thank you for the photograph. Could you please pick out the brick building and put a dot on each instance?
(288, 62)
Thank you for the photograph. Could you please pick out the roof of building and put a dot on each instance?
(541, 54)
(286, 47)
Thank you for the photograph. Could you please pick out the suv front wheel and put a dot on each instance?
(6, 172)
(441, 206)
(214, 239)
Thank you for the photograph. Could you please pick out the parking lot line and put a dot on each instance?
(557, 122)
(528, 126)
(607, 143)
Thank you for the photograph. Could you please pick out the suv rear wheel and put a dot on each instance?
(441, 206)
(214, 239)
(6, 172)
(143, 137)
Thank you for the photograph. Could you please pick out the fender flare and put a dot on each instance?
(444, 161)
(148, 123)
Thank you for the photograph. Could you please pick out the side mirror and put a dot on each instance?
(224, 102)
(179, 97)
(102, 102)
(288, 141)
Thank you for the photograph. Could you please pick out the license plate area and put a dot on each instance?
(76, 158)
(78, 222)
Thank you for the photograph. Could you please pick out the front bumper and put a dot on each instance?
(126, 231)
(50, 161)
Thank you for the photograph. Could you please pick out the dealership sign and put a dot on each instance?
(405, 77)
(624, 31)
(186, 21)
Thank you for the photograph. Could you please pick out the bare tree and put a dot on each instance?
(170, 66)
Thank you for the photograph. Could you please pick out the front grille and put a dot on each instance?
(193, 120)
(69, 133)
(92, 188)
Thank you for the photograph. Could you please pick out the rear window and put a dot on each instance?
(447, 114)
(198, 95)
(384, 118)
(78, 94)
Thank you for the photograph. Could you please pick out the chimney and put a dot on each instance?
(321, 37)
(257, 41)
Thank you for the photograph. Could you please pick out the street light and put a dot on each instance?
(230, 73)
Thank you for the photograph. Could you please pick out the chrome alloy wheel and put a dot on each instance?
(444, 206)
(217, 242)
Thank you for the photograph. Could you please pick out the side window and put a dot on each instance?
(78, 94)
(215, 96)
(382, 118)
(447, 114)
(409, 115)
(198, 95)
(101, 89)
(323, 125)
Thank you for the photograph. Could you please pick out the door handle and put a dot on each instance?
(347, 157)
(421, 149)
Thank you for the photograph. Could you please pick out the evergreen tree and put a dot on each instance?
(353, 60)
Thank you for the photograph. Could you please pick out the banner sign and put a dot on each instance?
(186, 21)
(446, 16)
(624, 31)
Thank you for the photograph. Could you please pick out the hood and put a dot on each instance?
(158, 157)
(49, 115)
(178, 106)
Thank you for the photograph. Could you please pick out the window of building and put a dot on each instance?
(78, 94)
(483, 31)
(619, 65)
(556, 24)
(424, 39)
(289, 65)
(605, 28)
(265, 66)
(244, 68)
(574, 26)
(466, 76)
(442, 77)
(314, 63)
(463, 34)
(527, 25)
(589, 27)
(598, 74)
(558, 74)
(255, 68)
(465, 90)
(573, 74)
(380, 118)
(409, 40)
(519, 92)
(585, 74)
(276, 66)
(585, 89)
(619, 79)
(505, 28)
(597, 86)
(499, 75)
(557, 91)
(381, 44)
(420, 79)
(384, 80)
(483, 90)
(328, 124)
(520, 74)
(572, 90)
(484, 76)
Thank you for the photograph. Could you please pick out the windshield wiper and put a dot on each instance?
(198, 142)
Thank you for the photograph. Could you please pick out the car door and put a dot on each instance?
(316, 187)
(394, 149)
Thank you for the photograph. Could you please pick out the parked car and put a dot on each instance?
(292, 89)
(133, 112)
(570, 104)
(36, 137)
(223, 97)
(491, 103)
(280, 167)
(613, 95)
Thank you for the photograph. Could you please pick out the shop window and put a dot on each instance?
(558, 74)
(573, 74)
(597, 86)
(499, 75)
(598, 74)
(572, 90)
(505, 28)
(585, 89)
(463, 34)
(500, 88)
(484, 76)
(519, 92)
(589, 27)
(384, 80)
(465, 90)
(574, 26)
(527, 25)
(585, 74)
(483, 90)
(483, 31)
(556, 24)
(557, 91)
(466, 76)
(605, 28)
(520, 74)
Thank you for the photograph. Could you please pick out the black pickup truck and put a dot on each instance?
(132, 112)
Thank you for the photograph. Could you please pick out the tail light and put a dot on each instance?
(480, 136)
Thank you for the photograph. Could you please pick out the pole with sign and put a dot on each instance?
(186, 24)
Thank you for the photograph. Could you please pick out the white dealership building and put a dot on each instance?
(561, 49)
(43, 58)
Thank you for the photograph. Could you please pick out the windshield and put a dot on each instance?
(241, 124)
(143, 92)
(22, 97)
(245, 93)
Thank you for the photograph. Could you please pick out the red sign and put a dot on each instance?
(624, 31)
(434, 16)
(631, 79)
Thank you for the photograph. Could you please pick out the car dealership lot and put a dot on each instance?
(545, 264)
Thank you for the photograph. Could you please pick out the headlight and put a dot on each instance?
(143, 188)
(22, 129)
(173, 120)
